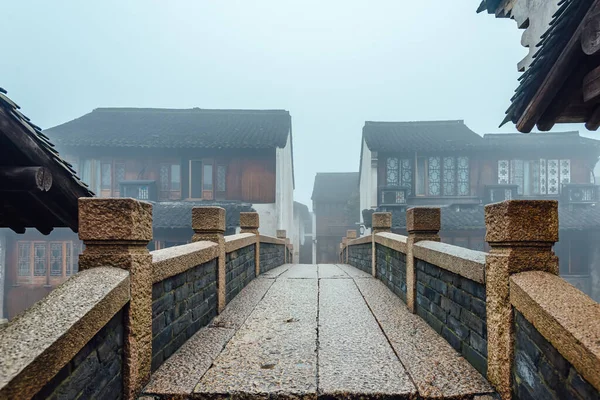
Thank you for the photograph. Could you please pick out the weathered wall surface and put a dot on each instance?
(181, 305)
(540, 372)
(240, 269)
(455, 307)
(271, 256)
(391, 269)
(95, 372)
(360, 256)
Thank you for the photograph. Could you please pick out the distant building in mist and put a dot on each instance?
(332, 197)
(240, 160)
(445, 164)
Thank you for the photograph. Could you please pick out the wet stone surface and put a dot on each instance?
(354, 272)
(331, 271)
(274, 352)
(302, 271)
(275, 272)
(354, 356)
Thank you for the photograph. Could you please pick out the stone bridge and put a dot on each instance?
(229, 317)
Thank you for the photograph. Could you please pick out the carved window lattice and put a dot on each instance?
(516, 174)
(434, 175)
(543, 177)
(24, 262)
(463, 176)
(392, 171)
(165, 179)
(119, 175)
(449, 176)
(407, 174)
(221, 178)
(39, 259)
(553, 176)
(565, 171)
(56, 259)
(503, 172)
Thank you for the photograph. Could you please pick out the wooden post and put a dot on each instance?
(116, 233)
(422, 223)
(208, 224)
(521, 234)
(380, 222)
(249, 223)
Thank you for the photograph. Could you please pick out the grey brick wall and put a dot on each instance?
(181, 305)
(359, 256)
(95, 372)
(455, 307)
(391, 269)
(271, 256)
(540, 372)
(240, 269)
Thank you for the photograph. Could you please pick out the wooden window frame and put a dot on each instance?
(47, 279)
(170, 194)
(441, 172)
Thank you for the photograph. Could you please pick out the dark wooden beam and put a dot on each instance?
(554, 81)
(593, 121)
(25, 179)
(590, 34)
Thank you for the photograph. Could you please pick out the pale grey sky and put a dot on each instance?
(332, 64)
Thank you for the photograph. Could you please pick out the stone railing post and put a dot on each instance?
(116, 233)
(380, 222)
(350, 235)
(422, 223)
(249, 223)
(521, 234)
(282, 234)
(208, 224)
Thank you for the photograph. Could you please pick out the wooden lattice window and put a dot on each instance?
(40, 262)
(535, 177)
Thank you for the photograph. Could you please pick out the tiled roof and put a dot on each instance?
(562, 27)
(334, 186)
(176, 128)
(419, 136)
(575, 218)
(178, 214)
(23, 144)
(538, 140)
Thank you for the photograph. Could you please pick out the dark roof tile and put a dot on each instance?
(178, 214)
(176, 128)
(334, 186)
(419, 136)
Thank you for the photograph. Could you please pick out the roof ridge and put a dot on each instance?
(433, 122)
(190, 110)
(512, 134)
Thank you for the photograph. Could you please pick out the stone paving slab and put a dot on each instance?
(354, 272)
(274, 352)
(301, 271)
(355, 358)
(275, 272)
(436, 368)
(181, 372)
(331, 271)
(240, 307)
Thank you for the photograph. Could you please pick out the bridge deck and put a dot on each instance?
(308, 331)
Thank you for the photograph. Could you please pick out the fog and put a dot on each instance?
(332, 64)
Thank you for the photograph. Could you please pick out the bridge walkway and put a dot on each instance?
(317, 331)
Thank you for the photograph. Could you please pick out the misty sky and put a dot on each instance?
(332, 64)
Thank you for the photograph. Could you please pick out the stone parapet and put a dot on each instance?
(250, 223)
(391, 240)
(236, 242)
(565, 317)
(467, 263)
(359, 256)
(361, 240)
(175, 260)
(47, 337)
(271, 239)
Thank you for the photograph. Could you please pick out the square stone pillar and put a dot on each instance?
(351, 234)
(521, 234)
(422, 223)
(208, 224)
(380, 222)
(116, 233)
(249, 223)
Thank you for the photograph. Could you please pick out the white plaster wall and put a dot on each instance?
(539, 13)
(285, 193)
(368, 181)
(268, 218)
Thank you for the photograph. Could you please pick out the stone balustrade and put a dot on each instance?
(102, 332)
(531, 333)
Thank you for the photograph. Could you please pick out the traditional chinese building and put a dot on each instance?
(332, 205)
(562, 68)
(38, 190)
(445, 164)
